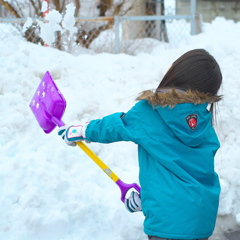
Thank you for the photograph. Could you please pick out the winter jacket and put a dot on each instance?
(176, 148)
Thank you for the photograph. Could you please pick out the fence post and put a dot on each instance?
(158, 22)
(193, 19)
(117, 34)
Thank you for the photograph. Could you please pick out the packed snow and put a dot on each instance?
(50, 191)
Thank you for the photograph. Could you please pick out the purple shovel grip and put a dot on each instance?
(124, 188)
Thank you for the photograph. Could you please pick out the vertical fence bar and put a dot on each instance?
(117, 34)
(158, 22)
(193, 19)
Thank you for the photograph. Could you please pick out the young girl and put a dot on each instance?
(176, 146)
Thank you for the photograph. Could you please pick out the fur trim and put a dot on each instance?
(172, 97)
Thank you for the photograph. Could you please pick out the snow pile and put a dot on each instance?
(50, 191)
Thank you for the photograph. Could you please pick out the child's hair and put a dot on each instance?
(195, 70)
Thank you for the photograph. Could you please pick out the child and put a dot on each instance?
(176, 147)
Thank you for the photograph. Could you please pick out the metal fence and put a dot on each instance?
(118, 34)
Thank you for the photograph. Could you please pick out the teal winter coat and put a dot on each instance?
(176, 147)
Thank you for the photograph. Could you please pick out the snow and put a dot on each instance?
(48, 28)
(50, 191)
(44, 7)
(69, 20)
(27, 24)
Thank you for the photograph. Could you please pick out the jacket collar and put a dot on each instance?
(172, 97)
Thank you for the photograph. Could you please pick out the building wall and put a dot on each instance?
(210, 9)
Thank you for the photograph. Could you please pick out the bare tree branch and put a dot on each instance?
(57, 5)
(63, 6)
(78, 6)
(36, 9)
(18, 9)
(10, 8)
(118, 9)
(40, 6)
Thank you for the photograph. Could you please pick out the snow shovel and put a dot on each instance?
(48, 105)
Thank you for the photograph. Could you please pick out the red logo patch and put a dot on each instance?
(192, 121)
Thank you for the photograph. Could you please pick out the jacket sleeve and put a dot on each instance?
(114, 128)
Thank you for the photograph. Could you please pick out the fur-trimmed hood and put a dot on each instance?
(172, 97)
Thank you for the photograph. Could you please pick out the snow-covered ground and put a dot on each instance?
(50, 191)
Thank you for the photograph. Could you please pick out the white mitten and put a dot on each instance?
(73, 134)
(133, 203)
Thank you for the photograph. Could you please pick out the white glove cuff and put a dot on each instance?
(77, 131)
(84, 129)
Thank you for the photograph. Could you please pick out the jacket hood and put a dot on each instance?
(185, 113)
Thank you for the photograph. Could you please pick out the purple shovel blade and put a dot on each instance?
(48, 104)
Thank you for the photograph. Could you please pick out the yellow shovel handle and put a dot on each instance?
(98, 161)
